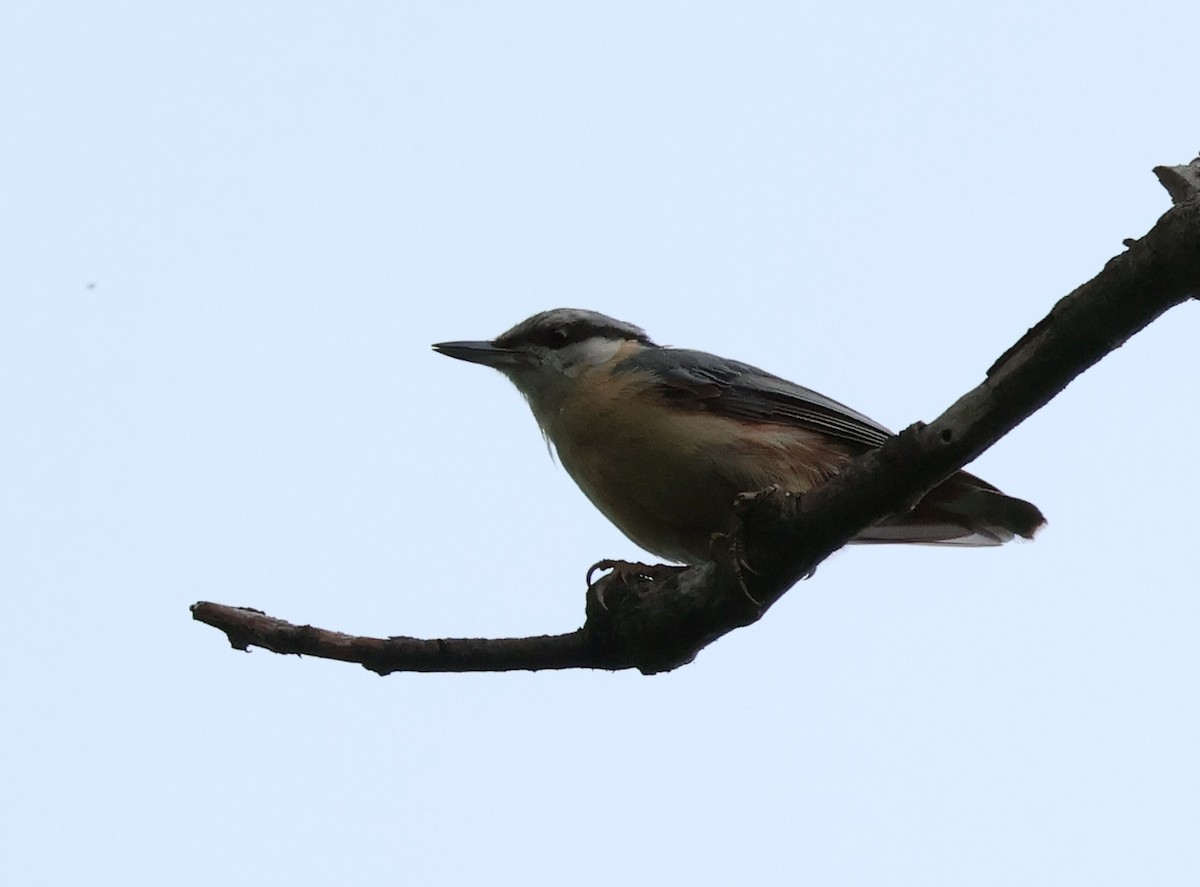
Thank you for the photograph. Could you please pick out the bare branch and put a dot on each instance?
(246, 627)
(1181, 182)
(655, 624)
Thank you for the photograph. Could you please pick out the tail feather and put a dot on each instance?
(963, 510)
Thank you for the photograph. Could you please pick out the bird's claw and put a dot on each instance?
(733, 552)
(625, 571)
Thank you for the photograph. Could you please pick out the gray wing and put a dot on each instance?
(706, 382)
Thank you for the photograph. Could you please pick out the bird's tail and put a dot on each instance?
(962, 510)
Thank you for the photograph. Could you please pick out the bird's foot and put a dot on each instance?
(734, 554)
(624, 571)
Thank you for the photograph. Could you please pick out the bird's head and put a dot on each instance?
(544, 353)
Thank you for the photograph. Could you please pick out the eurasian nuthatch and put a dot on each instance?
(663, 440)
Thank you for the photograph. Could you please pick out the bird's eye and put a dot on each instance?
(553, 337)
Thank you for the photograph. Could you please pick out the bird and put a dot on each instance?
(664, 440)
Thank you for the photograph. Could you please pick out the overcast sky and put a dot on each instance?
(230, 233)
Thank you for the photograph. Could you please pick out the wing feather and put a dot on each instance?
(704, 381)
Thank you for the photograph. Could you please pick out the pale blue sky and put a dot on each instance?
(282, 205)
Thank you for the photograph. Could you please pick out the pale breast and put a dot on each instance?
(668, 477)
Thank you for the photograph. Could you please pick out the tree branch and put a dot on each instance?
(656, 622)
(247, 627)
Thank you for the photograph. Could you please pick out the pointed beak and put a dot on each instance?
(480, 352)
